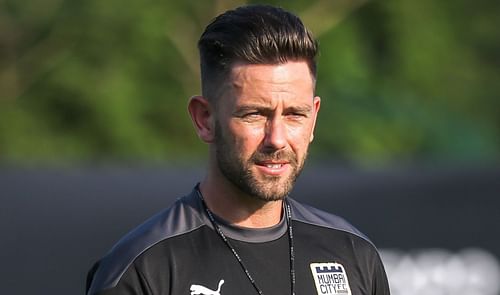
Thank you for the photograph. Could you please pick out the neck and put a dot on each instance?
(228, 202)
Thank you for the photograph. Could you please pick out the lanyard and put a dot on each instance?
(221, 234)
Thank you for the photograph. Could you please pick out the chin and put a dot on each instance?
(271, 192)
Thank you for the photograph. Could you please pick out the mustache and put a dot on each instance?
(283, 155)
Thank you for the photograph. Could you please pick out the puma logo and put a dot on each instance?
(202, 290)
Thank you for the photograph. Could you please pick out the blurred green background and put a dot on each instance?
(108, 81)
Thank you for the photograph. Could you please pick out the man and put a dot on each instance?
(237, 232)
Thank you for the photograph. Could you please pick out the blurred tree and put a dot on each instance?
(109, 81)
(408, 81)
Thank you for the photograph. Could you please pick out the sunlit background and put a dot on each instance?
(98, 90)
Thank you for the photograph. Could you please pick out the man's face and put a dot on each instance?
(263, 126)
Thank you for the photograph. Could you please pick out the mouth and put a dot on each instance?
(273, 168)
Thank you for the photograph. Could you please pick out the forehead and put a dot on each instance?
(265, 80)
(275, 73)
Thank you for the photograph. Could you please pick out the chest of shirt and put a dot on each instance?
(201, 263)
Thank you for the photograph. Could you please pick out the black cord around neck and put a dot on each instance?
(288, 216)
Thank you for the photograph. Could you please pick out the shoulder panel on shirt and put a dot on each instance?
(310, 215)
(182, 217)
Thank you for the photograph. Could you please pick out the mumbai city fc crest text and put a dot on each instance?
(330, 278)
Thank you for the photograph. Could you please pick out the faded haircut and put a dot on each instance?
(254, 34)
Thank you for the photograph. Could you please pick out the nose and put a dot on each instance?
(275, 135)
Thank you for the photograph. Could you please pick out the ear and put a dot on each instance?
(202, 116)
(316, 106)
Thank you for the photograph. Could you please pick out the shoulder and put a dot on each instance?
(315, 217)
(352, 247)
(181, 218)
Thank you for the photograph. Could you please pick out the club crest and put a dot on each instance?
(330, 278)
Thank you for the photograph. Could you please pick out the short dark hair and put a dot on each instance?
(254, 34)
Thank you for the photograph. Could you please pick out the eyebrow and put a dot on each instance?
(299, 109)
(258, 107)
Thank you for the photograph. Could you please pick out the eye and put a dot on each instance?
(252, 116)
(296, 116)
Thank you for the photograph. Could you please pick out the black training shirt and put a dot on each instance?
(178, 252)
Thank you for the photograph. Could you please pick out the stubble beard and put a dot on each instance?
(239, 171)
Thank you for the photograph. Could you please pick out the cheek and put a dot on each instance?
(246, 137)
(299, 136)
